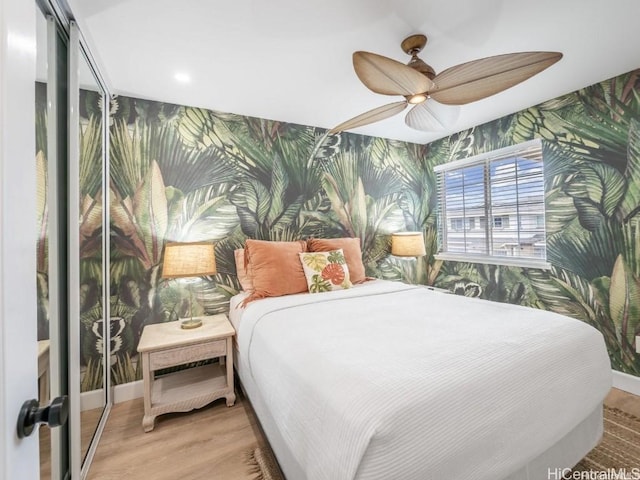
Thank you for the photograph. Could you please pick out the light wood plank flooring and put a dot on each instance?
(204, 444)
(209, 443)
(623, 401)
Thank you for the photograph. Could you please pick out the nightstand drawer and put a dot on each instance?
(187, 354)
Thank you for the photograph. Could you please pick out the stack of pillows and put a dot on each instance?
(272, 269)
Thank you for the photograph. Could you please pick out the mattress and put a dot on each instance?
(396, 381)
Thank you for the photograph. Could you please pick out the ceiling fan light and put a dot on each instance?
(433, 117)
(418, 98)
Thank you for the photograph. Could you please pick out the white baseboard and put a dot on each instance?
(626, 382)
(128, 391)
(92, 399)
(121, 393)
(133, 390)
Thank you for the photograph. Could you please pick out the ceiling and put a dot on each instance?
(290, 60)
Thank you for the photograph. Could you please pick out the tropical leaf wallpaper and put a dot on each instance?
(591, 149)
(42, 215)
(91, 233)
(187, 174)
(89, 230)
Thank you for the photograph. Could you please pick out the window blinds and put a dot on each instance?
(492, 205)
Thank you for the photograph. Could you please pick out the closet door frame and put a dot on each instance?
(79, 52)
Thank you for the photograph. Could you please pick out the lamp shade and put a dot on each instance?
(188, 260)
(407, 244)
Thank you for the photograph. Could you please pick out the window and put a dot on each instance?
(456, 224)
(505, 186)
(501, 222)
(459, 224)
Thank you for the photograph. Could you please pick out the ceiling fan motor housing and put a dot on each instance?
(420, 66)
(413, 45)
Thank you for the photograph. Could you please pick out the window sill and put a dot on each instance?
(506, 261)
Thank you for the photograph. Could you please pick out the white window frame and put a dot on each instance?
(529, 148)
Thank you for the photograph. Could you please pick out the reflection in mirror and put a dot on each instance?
(88, 336)
(92, 305)
(42, 247)
(70, 159)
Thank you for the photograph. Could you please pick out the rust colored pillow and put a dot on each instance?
(244, 274)
(352, 253)
(275, 268)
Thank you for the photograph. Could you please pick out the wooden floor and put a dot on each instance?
(204, 444)
(623, 401)
(209, 443)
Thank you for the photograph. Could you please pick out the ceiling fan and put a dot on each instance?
(418, 83)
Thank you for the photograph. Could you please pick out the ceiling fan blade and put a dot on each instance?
(371, 116)
(482, 78)
(431, 116)
(388, 77)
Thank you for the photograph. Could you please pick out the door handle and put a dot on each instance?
(31, 414)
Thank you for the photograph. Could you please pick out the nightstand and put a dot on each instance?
(164, 345)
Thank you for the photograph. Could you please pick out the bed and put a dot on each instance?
(392, 381)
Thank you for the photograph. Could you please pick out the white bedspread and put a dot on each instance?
(390, 381)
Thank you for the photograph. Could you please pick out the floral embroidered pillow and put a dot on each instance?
(325, 271)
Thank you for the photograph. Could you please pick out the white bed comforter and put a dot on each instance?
(390, 381)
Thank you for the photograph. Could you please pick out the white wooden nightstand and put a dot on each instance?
(165, 345)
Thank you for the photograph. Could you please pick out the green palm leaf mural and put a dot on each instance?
(630, 206)
(204, 214)
(91, 156)
(624, 302)
(360, 205)
(183, 173)
(42, 247)
(592, 187)
(263, 211)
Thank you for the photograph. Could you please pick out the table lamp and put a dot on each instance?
(407, 244)
(194, 259)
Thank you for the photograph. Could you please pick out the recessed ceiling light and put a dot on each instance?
(182, 77)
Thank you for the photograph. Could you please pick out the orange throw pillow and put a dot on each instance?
(244, 274)
(275, 268)
(352, 253)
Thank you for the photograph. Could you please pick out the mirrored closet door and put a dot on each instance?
(72, 250)
(52, 249)
(88, 203)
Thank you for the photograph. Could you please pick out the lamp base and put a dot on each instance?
(191, 323)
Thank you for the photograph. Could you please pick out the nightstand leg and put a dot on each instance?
(231, 398)
(148, 422)
(147, 376)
